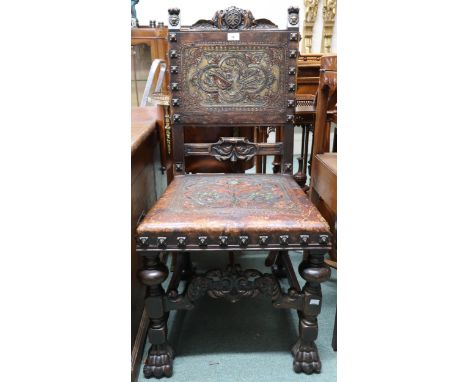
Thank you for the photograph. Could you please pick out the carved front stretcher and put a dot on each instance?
(233, 70)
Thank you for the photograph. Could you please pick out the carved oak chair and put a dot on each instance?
(239, 71)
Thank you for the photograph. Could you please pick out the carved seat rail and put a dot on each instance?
(233, 149)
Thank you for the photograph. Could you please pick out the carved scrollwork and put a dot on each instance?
(233, 149)
(311, 8)
(235, 78)
(233, 284)
(233, 18)
(329, 13)
(329, 10)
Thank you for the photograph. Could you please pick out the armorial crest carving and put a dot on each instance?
(174, 18)
(233, 149)
(233, 18)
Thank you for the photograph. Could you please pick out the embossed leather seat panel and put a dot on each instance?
(233, 205)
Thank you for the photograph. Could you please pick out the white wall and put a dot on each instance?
(317, 30)
(192, 11)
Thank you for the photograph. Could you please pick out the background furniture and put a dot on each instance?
(308, 71)
(236, 70)
(148, 183)
(148, 44)
(324, 162)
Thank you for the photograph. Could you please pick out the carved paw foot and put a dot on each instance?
(306, 358)
(159, 361)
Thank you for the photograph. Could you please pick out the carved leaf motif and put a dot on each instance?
(233, 149)
(233, 284)
(234, 76)
(233, 18)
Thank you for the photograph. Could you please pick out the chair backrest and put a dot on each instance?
(325, 105)
(233, 70)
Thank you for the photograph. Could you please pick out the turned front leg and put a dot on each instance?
(306, 357)
(159, 360)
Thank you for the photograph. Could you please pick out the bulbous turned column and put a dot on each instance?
(299, 176)
(160, 356)
(306, 357)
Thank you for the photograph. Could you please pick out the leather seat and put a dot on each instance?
(223, 208)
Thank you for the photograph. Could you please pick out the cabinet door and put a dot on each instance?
(141, 64)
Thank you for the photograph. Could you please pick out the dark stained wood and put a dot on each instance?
(245, 79)
(233, 149)
(144, 139)
(324, 177)
(272, 106)
(324, 164)
(157, 40)
(324, 167)
(207, 164)
(308, 72)
(144, 123)
(326, 102)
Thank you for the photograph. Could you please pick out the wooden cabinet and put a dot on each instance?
(148, 44)
(148, 183)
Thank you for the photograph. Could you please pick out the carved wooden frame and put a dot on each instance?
(233, 283)
(233, 149)
(311, 8)
(319, 243)
(247, 23)
(329, 13)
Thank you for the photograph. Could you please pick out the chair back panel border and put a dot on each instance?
(206, 57)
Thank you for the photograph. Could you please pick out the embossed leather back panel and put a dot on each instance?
(231, 82)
